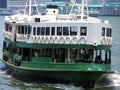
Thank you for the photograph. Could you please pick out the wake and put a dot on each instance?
(110, 81)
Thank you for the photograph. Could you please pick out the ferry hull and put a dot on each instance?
(56, 76)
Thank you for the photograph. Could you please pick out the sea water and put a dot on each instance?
(105, 82)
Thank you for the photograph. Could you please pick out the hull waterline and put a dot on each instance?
(55, 76)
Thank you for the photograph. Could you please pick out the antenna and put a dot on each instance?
(30, 6)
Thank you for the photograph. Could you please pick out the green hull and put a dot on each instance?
(72, 67)
(61, 72)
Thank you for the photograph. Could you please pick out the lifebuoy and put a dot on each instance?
(74, 40)
(56, 39)
(83, 40)
(61, 40)
(68, 40)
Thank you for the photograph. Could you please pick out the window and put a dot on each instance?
(26, 27)
(37, 19)
(73, 30)
(42, 30)
(83, 31)
(59, 30)
(6, 26)
(47, 30)
(29, 30)
(22, 29)
(34, 31)
(109, 32)
(52, 30)
(103, 31)
(38, 30)
(19, 29)
(65, 31)
(9, 27)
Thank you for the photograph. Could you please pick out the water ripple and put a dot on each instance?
(108, 82)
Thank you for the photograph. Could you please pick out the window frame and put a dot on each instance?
(66, 31)
(73, 30)
(83, 31)
(59, 31)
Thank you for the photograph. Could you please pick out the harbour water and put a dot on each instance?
(106, 82)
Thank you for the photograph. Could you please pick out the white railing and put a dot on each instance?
(59, 39)
(21, 37)
(106, 40)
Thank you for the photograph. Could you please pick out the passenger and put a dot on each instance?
(67, 60)
(36, 54)
(26, 58)
(98, 59)
(56, 58)
(86, 57)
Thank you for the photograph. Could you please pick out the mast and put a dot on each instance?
(73, 2)
(82, 8)
(29, 7)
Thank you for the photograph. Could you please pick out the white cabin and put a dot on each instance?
(55, 28)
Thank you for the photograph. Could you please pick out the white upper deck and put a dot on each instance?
(52, 14)
(55, 28)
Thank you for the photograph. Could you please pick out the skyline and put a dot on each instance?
(12, 4)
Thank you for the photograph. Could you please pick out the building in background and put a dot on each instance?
(111, 1)
(3, 3)
(4, 10)
(61, 0)
(20, 4)
(105, 7)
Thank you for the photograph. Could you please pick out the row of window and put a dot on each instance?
(52, 30)
(73, 30)
(8, 27)
(24, 29)
(107, 32)
(59, 31)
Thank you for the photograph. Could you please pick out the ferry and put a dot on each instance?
(57, 47)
